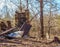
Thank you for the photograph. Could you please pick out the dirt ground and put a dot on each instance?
(28, 43)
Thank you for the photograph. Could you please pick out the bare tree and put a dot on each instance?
(41, 18)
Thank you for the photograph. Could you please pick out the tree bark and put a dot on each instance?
(41, 18)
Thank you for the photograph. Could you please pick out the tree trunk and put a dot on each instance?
(41, 18)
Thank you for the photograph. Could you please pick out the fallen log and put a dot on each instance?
(9, 41)
(55, 40)
(20, 41)
(7, 31)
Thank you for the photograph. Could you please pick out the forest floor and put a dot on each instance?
(29, 43)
